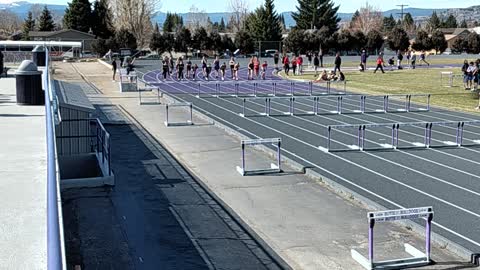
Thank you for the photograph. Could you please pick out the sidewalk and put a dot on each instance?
(306, 223)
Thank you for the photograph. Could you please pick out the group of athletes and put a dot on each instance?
(188, 70)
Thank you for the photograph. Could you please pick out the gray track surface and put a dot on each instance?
(445, 178)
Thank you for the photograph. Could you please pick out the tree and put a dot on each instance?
(344, 40)
(227, 43)
(313, 14)
(200, 39)
(359, 41)
(215, 41)
(183, 40)
(28, 25)
(450, 22)
(125, 39)
(78, 15)
(433, 23)
(473, 43)
(134, 16)
(464, 24)
(459, 45)
(389, 23)
(244, 41)
(221, 26)
(45, 21)
(398, 39)
(368, 18)
(422, 41)
(374, 41)
(173, 22)
(295, 40)
(264, 23)
(239, 9)
(409, 24)
(439, 43)
(102, 25)
(282, 23)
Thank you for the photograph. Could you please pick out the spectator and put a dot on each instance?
(465, 74)
(323, 77)
(275, 60)
(294, 65)
(363, 60)
(286, 64)
(114, 68)
(309, 57)
(300, 65)
(391, 63)
(472, 69)
(341, 77)
(338, 62)
(361, 67)
(413, 60)
(399, 60)
(316, 63)
(476, 75)
(380, 63)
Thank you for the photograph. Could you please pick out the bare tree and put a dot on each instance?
(196, 18)
(9, 23)
(368, 18)
(239, 9)
(135, 16)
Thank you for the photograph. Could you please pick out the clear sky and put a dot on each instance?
(289, 5)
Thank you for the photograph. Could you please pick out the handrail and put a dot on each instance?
(54, 246)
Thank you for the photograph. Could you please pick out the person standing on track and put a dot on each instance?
(180, 66)
(232, 66)
(165, 67)
(251, 66)
(204, 66)
(256, 67)
(465, 74)
(286, 64)
(337, 62)
(208, 70)
(300, 65)
(309, 57)
(275, 59)
(114, 68)
(413, 60)
(194, 73)
(380, 63)
(294, 65)
(264, 70)
(216, 66)
(223, 69)
(399, 59)
(172, 67)
(236, 68)
(316, 64)
(189, 67)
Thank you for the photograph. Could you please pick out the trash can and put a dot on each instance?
(38, 56)
(29, 84)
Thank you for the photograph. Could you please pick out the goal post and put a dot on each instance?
(274, 168)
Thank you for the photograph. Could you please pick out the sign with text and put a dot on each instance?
(400, 214)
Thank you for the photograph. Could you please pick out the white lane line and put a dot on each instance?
(331, 173)
(348, 161)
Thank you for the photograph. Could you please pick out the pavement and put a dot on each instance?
(156, 214)
(304, 221)
(23, 181)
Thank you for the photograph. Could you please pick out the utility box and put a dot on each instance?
(29, 84)
(38, 56)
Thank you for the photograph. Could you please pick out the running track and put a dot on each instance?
(446, 178)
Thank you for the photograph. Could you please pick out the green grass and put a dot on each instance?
(419, 81)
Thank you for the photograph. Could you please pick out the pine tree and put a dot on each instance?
(183, 40)
(451, 22)
(221, 26)
(389, 23)
(45, 21)
(398, 40)
(78, 15)
(316, 14)
(168, 24)
(28, 25)
(102, 25)
(439, 43)
(464, 24)
(354, 18)
(422, 41)
(433, 23)
(264, 23)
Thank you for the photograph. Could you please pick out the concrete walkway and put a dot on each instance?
(304, 221)
(156, 215)
(23, 178)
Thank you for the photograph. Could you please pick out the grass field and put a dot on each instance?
(418, 81)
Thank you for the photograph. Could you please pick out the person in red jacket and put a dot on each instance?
(299, 65)
(286, 64)
(380, 63)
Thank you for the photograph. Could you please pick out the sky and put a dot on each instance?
(347, 6)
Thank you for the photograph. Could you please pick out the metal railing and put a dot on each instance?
(54, 242)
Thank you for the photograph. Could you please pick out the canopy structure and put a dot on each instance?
(12, 43)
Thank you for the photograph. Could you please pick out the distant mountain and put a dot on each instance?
(22, 8)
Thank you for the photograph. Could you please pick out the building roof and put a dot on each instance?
(453, 31)
(71, 95)
(53, 33)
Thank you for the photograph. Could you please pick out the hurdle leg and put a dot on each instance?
(191, 113)
(166, 115)
(370, 240)
(428, 102)
(329, 137)
(428, 234)
(393, 136)
(279, 159)
(426, 135)
(243, 159)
